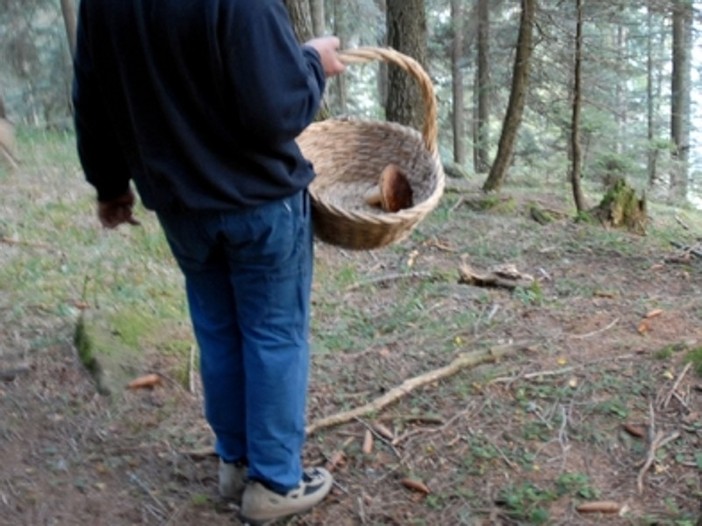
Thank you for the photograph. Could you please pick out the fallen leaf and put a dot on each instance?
(337, 460)
(603, 506)
(367, 443)
(643, 327)
(653, 313)
(146, 381)
(415, 485)
(383, 431)
(633, 430)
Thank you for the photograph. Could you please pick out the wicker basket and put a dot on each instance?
(349, 155)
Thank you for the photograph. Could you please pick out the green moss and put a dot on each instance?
(621, 207)
(132, 326)
(84, 346)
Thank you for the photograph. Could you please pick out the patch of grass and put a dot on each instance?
(695, 358)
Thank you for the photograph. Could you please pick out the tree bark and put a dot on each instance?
(515, 109)
(301, 18)
(680, 95)
(318, 19)
(576, 166)
(481, 156)
(652, 158)
(68, 10)
(459, 127)
(338, 83)
(407, 33)
(621, 86)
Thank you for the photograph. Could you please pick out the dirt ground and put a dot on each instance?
(565, 418)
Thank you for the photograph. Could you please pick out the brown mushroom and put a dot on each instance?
(394, 192)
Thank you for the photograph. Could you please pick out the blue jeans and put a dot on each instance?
(248, 277)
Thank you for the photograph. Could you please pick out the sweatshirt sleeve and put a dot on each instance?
(100, 156)
(277, 84)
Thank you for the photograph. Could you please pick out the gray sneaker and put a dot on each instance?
(232, 480)
(261, 505)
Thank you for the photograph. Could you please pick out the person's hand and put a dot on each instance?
(117, 211)
(327, 47)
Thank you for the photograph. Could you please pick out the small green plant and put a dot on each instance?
(615, 407)
(575, 484)
(531, 295)
(199, 500)
(526, 502)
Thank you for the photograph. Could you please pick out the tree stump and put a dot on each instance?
(622, 208)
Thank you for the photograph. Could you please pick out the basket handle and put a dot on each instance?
(364, 55)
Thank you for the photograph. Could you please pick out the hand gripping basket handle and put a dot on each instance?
(364, 55)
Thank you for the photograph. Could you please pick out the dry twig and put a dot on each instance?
(18, 242)
(595, 333)
(656, 441)
(463, 361)
(381, 280)
(673, 390)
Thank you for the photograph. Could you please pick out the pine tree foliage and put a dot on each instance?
(630, 95)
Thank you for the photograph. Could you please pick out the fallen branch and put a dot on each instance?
(8, 375)
(464, 361)
(695, 251)
(682, 223)
(505, 276)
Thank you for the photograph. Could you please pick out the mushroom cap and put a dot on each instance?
(395, 189)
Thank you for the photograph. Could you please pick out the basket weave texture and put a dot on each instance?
(349, 156)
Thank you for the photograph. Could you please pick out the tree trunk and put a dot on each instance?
(338, 83)
(3, 112)
(651, 131)
(301, 18)
(407, 33)
(68, 10)
(680, 95)
(621, 86)
(515, 109)
(318, 22)
(459, 127)
(481, 156)
(576, 166)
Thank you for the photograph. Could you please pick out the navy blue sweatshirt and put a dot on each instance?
(198, 101)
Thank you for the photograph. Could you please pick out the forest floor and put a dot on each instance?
(594, 400)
